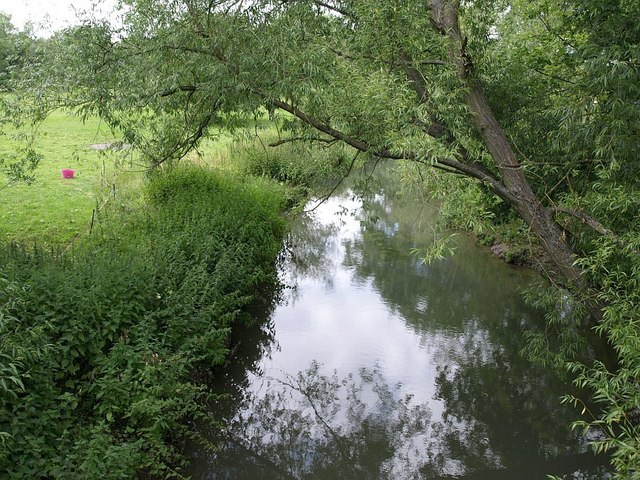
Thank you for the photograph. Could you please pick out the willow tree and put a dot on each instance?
(535, 102)
(395, 79)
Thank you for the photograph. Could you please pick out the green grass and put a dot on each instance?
(53, 209)
(101, 350)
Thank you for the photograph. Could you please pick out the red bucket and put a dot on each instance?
(67, 173)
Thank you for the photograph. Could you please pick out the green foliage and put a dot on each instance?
(15, 51)
(20, 165)
(566, 88)
(456, 196)
(562, 79)
(438, 250)
(564, 338)
(101, 346)
(301, 166)
(616, 388)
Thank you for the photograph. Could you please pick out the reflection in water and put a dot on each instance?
(382, 367)
(317, 425)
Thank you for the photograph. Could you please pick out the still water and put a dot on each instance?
(374, 365)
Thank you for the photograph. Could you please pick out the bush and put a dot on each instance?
(99, 349)
(297, 164)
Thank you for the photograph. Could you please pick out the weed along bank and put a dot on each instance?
(104, 349)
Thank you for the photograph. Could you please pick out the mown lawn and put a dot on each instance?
(54, 210)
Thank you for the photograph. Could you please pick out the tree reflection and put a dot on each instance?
(451, 292)
(309, 250)
(252, 339)
(493, 416)
(318, 425)
(496, 418)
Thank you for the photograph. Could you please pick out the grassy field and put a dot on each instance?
(53, 209)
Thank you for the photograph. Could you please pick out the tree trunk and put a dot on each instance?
(444, 16)
(529, 206)
(523, 199)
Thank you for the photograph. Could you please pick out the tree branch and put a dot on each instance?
(584, 218)
(329, 141)
(184, 147)
(181, 88)
(328, 6)
(338, 135)
(342, 54)
(564, 41)
(469, 169)
(555, 77)
(332, 8)
(466, 168)
(328, 195)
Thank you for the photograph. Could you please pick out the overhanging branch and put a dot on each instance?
(181, 88)
(468, 169)
(586, 219)
(328, 141)
(184, 147)
(332, 8)
(338, 135)
(328, 195)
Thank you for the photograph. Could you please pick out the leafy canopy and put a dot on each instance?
(532, 106)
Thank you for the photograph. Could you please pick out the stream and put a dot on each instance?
(374, 365)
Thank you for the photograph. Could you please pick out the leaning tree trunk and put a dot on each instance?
(519, 194)
(522, 197)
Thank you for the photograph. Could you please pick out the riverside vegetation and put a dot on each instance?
(520, 116)
(104, 345)
(101, 347)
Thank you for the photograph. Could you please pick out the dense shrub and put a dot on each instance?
(98, 347)
(301, 165)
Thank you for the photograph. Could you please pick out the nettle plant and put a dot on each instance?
(102, 346)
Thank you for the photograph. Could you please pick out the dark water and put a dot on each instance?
(377, 366)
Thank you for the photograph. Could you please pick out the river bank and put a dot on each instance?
(103, 345)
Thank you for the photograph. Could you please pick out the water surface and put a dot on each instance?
(375, 365)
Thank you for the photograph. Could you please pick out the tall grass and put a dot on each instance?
(99, 348)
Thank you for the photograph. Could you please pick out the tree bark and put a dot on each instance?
(523, 198)
(444, 17)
